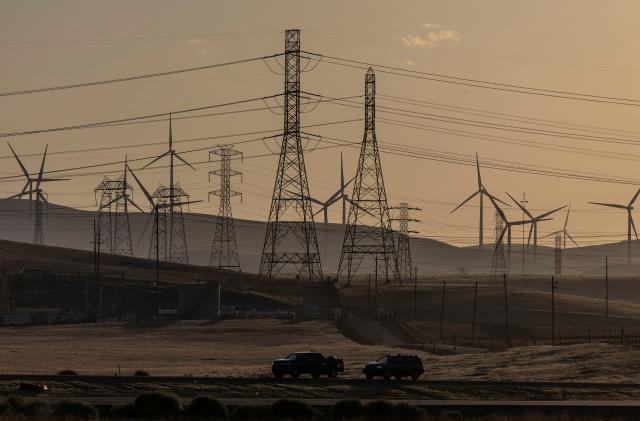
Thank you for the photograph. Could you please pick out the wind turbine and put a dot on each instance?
(507, 228)
(37, 192)
(534, 222)
(482, 191)
(565, 234)
(175, 192)
(335, 197)
(630, 223)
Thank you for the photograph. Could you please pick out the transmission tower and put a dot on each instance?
(368, 231)
(224, 250)
(113, 213)
(405, 262)
(290, 239)
(37, 193)
(558, 253)
(498, 266)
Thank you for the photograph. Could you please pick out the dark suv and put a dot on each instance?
(313, 363)
(398, 366)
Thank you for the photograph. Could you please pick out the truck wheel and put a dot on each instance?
(315, 374)
(415, 376)
(295, 374)
(333, 373)
(278, 374)
(369, 376)
(386, 375)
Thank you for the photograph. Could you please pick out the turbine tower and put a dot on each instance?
(224, 248)
(38, 193)
(482, 191)
(113, 213)
(506, 229)
(290, 239)
(534, 222)
(630, 224)
(170, 201)
(563, 232)
(369, 236)
(339, 195)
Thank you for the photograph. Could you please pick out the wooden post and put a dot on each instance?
(444, 288)
(606, 287)
(475, 310)
(553, 311)
(369, 298)
(506, 311)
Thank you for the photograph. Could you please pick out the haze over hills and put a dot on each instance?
(73, 228)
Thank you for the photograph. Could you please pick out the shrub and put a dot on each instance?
(408, 412)
(141, 373)
(292, 410)
(253, 413)
(347, 409)
(157, 405)
(204, 407)
(125, 412)
(380, 410)
(38, 409)
(74, 410)
(67, 372)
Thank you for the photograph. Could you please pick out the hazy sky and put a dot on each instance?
(580, 45)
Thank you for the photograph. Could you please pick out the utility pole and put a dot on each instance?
(554, 286)
(444, 288)
(415, 293)
(606, 287)
(506, 311)
(290, 238)
(557, 254)
(475, 312)
(224, 249)
(523, 202)
(369, 297)
(368, 232)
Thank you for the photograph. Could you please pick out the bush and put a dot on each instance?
(125, 412)
(380, 410)
(204, 407)
(253, 413)
(142, 373)
(347, 409)
(74, 410)
(67, 372)
(157, 405)
(408, 412)
(292, 410)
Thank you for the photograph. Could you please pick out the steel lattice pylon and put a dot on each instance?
(224, 249)
(113, 214)
(368, 231)
(405, 261)
(498, 264)
(168, 226)
(290, 239)
(558, 253)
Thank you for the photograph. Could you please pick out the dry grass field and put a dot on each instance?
(242, 348)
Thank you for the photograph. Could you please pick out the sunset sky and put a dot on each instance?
(584, 46)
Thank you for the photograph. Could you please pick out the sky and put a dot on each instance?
(584, 46)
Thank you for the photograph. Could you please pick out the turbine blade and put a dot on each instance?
(485, 191)
(633, 225)
(530, 233)
(135, 205)
(180, 158)
(635, 196)
(495, 205)
(44, 157)
(154, 160)
(611, 205)
(465, 201)
(551, 234)
(358, 206)
(571, 238)
(24, 170)
(144, 190)
(520, 206)
(478, 170)
(544, 215)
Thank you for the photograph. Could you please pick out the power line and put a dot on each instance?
(136, 77)
(476, 83)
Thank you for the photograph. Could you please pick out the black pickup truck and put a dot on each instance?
(313, 363)
(398, 366)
